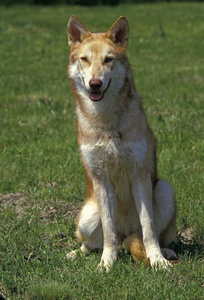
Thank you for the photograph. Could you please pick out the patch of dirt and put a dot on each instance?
(48, 209)
(186, 236)
(16, 201)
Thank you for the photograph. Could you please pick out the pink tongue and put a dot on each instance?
(96, 96)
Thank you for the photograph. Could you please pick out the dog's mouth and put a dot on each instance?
(98, 95)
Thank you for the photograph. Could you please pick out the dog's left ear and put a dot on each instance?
(119, 32)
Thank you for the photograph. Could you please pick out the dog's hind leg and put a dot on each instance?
(164, 214)
(164, 207)
(89, 228)
(164, 210)
(157, 219)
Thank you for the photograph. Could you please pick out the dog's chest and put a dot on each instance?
(111, 154)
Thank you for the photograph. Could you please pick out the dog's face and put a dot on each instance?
(97, 59)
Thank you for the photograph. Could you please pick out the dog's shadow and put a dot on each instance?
(189, 246)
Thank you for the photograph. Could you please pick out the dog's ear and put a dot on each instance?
(76, 31)
(119, 32)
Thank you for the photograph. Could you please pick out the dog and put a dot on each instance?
(126, 202)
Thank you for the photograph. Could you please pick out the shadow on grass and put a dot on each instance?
(189, 244)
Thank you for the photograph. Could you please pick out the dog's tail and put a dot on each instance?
(134, 244)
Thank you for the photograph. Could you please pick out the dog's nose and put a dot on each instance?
(95, 83)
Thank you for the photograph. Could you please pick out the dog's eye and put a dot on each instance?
(108, 59)
(84, 58)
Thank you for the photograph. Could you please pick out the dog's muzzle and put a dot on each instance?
(95, 94)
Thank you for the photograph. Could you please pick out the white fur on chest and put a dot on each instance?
(112, 154)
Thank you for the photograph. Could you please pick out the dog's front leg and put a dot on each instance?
(105, 195)
(142, 192)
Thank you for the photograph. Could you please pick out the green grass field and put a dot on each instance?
(42, 183)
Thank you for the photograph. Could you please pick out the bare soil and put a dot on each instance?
(48, 209)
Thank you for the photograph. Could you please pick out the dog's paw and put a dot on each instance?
(72, 255)
(107, 260)
(159, 262)
(169, 254)
(104, 266)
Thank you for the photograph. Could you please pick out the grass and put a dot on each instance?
(41, 178)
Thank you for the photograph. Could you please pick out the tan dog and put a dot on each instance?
(126, 201)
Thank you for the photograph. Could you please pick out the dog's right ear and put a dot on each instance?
(76, 31)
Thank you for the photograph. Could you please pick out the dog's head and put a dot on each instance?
(97, 60)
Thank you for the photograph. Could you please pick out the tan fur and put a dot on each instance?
(135, 245)
(125, 200)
